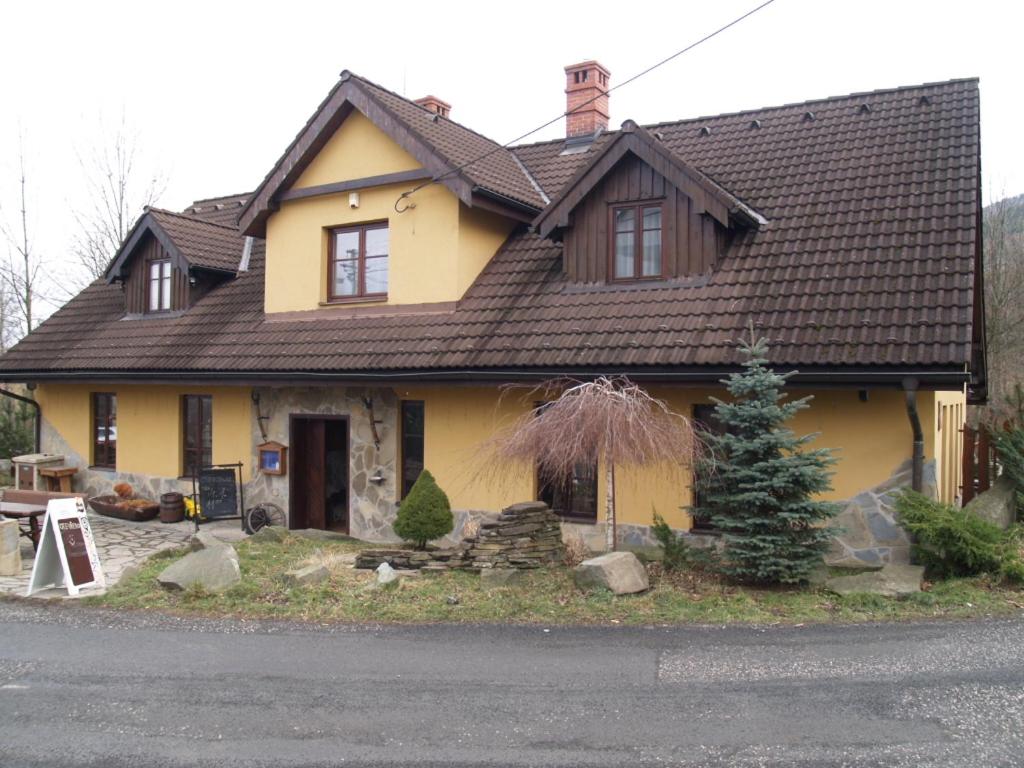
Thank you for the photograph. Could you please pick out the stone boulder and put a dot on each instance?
(311, 574)
(213, 569)
(10, 549)
(998, 504)
(206, 540)
(891, 581)
(620, 572)
(386, 575)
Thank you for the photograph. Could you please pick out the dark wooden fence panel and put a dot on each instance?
(980, 463)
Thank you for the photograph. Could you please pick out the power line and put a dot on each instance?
(541, 127)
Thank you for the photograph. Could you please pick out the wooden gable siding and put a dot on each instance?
(136, 283)
(692, 242)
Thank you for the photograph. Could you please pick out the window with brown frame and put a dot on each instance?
(358, 262)
(636, 251)
(104, 430)
(159, 286)
(573, 498)
(413, 433)
(197, 433)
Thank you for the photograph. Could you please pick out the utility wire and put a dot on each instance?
(541, 127)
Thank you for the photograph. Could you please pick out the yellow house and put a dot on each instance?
(367, 306)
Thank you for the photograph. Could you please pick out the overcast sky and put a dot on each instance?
(216, 90)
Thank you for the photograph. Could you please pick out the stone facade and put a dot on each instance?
(870, 536)
(371, 505)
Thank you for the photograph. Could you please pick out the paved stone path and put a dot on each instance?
(120, 543)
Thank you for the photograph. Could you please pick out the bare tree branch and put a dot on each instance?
(21, 272)
(1004, 294)
(117, 192)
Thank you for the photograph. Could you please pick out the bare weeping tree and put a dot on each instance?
(610, 419)
(118, 192)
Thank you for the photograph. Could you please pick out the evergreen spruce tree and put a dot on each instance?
(757, 479)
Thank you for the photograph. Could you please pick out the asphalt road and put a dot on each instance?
(87, 687)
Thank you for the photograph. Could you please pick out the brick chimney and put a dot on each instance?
(435, 105)
(583, 82)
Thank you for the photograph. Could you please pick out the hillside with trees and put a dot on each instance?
(1004, 294)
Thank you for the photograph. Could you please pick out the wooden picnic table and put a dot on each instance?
(28, 512)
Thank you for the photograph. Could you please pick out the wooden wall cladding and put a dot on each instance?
(136, 283)
(692, 242)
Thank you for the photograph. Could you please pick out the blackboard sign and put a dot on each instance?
(218, 492)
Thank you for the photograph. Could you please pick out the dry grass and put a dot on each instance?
(546, 596)
(575, 551)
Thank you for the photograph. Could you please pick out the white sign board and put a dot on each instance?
(67, 551)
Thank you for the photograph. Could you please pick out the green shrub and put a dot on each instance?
(425, 513)
(952, 542)
(1006, 426)
(677, 554)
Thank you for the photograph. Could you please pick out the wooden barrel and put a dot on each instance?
(172, 507)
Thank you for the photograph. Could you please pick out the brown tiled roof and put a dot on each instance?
(202, 243)
(866, 263)
(496, 168)
(219, 210)
(454, 155)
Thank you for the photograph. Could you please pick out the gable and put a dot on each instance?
(357, 150)
(692, 241)
(136, 276)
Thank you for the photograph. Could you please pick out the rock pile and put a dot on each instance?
(524, 536)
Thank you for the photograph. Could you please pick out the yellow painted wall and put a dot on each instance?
(947, 442)
(149, 423)
(873, 439)
(68, 409)
(437, 248)
(356, 150)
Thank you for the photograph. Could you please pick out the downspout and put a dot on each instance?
(917, 457)
(39, 413)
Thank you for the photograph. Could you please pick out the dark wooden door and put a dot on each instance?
(306, 497)
(318, 487)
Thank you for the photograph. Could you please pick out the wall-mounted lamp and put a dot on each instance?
(353, 199)
(377, 477)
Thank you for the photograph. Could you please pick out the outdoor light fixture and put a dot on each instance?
(377, 477)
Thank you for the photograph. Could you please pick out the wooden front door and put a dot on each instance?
(318, 488)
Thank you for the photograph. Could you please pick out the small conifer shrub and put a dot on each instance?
(951, 542)
(425, 513)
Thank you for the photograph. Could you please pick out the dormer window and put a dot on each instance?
(637, 242)
(159, 286)
(358, 262)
